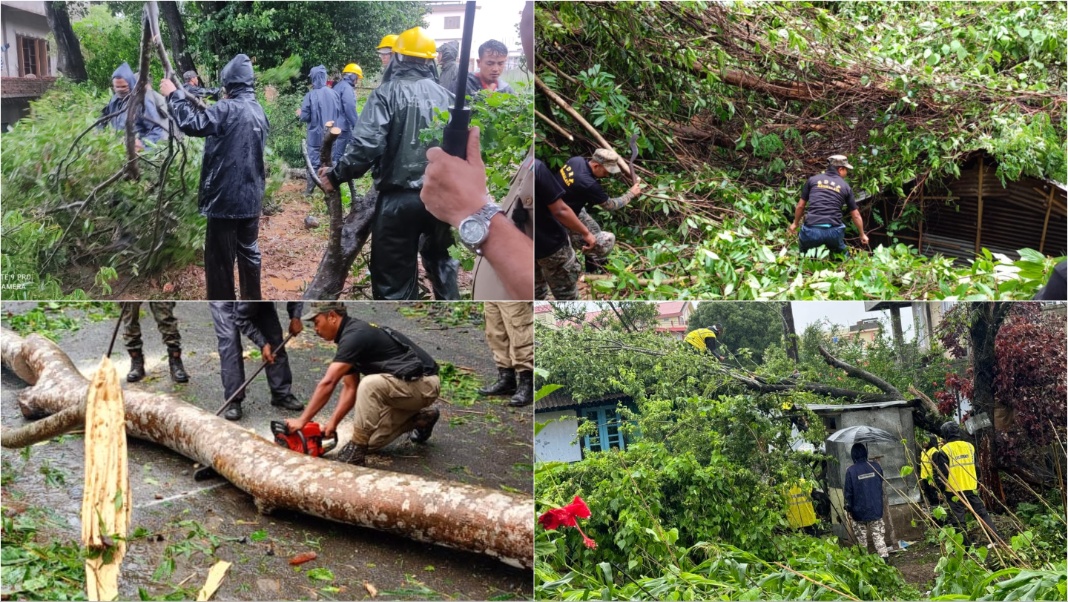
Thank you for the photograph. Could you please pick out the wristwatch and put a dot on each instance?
(475, 228)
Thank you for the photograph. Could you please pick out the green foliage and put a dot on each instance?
(108, 41)
(39, 570)
(331, 33)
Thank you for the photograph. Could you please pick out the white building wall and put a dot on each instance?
(556, 440)
(26, 19)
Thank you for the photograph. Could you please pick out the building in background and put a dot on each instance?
(497, 21)
(28, 66)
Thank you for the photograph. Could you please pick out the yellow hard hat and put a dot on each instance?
(388, 41)
(353, 68)
(416, 43)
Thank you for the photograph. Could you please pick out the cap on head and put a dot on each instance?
(839, 161)
(716, 328)
(415, 43)
(321, 307)
(387, 42)
(607, 158)
(950, 430)
(353, 68)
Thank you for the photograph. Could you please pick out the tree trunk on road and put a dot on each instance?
(454, 515)
(71, 64)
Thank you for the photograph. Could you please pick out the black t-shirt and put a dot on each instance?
(549, 234)
(824, 195)
(581, 188)
(371, 349)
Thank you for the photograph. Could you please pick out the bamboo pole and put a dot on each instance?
(554, 126)
(1045, 223)
(979, 226)
(553, 96)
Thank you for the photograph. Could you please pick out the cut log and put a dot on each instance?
(484, 521)
(106, 495)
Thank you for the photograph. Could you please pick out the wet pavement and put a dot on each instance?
(184, 526)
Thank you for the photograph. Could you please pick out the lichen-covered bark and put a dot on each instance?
(459, 516)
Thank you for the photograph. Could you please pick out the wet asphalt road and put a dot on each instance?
(187, 525)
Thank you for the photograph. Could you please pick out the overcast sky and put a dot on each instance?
(844, 313)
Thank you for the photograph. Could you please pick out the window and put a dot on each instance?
(608, 435)
(33, 56)
(452, 22)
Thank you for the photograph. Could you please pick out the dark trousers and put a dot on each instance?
(960, 511)
(930, 493)
(833, 238)
(162, 312)
(231, 362)
(227, 241)
(402, 231)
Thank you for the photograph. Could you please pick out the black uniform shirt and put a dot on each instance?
(824, 195)
(370, 349)
(549, 234)
(581, 188)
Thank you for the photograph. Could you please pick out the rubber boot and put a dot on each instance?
(233, 411)
(524, 394)
(287, 402)
(311, 187)
(137, 367)
(353, 453)
(424, 425)
(178, 374)
(505, 384)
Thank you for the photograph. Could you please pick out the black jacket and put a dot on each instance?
(864, 486)
(474, 85)
(387, 135)
(233, 174)
(199, 92)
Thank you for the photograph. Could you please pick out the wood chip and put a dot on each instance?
(215, 577)
(371, 589)
(302, 558)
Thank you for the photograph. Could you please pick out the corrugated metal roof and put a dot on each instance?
(560, 399)
(849, 407)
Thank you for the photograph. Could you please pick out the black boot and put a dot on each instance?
(233, 411)
(595, 265)
(353, 453)
(424, 425)
(174, 358)
(137, 367)
(524, 394)
(505, 384)
(287, 402)
(311, 187)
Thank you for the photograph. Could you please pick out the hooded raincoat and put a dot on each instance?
(863, 486)
(321, 104)
(448, 53)
(233, 174)
(386, 141)
(346, 94)
(149, 126)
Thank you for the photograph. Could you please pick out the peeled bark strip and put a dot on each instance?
(106, 496)
(454, 515)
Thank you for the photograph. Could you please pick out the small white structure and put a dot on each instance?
(558, 440)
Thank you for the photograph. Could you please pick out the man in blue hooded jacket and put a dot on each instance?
(864, 499)
(232, 177)
(321, 104)
(386, 141)
(346, 93)
(149, 125)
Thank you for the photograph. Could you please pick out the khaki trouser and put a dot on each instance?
(510, 334)
(386, 407)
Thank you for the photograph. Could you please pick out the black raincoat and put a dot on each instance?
(450, 69)
(232, 176)
(863, 486)
(150, 125)
(474, 85)
(386, 140)
(321, 104)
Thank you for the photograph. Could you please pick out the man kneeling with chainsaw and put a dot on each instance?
(399, 385)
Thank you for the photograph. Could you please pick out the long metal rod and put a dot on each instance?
(245, 385)
(465, 55)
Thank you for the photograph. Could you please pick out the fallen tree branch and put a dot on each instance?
(560, 130)
(454, 515)
(553, 96)
(863, 375)
(44, 429)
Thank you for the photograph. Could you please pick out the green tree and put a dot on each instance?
(330, 33)
(752, 326)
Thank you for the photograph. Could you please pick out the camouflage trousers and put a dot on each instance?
(606, 241)
(878, 535)
(558, 272)
(162, 312)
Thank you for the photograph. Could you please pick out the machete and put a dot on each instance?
(454, 141)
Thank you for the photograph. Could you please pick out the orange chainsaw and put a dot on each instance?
(308, 440)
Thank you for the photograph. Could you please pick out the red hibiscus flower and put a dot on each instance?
(554, 518)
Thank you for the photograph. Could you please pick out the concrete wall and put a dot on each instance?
(28, 22)
(556, 440)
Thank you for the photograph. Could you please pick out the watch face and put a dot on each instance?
(472, 231)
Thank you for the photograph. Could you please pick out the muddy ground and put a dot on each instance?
(290, 254)
(183, 526)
